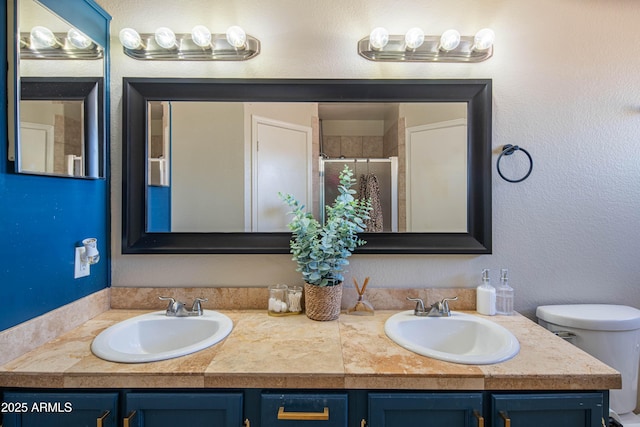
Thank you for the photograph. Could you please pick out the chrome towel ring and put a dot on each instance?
(508, 150)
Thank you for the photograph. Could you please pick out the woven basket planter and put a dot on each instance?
(323, 302)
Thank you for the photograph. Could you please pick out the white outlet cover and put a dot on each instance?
(81, 269)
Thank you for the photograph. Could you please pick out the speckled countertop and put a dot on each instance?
(295, 352)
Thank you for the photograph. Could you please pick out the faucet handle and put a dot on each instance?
(419, 310)
(171, 300)
(197, 306)
(173, 306)
(445, 303)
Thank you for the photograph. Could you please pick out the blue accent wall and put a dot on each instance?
(159, 211)
(42, 219)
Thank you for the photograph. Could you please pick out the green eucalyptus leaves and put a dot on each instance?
(321, 251)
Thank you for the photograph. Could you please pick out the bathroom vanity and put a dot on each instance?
(271, 371)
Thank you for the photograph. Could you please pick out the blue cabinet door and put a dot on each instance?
(535, 410)
(60, 409)
(425, 409)
(183, 409)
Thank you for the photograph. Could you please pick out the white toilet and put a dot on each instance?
(611, 333)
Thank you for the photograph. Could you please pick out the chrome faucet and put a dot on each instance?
(178, 309)
(438, 309)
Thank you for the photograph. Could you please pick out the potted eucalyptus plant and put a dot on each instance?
(321, 250)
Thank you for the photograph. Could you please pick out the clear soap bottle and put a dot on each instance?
(504, 295)
(486, 296)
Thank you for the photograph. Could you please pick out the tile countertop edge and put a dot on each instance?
(383, 365)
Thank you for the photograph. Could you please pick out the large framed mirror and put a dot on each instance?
(204, 160)
(57, 88)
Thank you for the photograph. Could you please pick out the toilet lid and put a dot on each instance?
(596, 317)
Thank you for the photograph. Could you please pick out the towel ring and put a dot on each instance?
(508, 150)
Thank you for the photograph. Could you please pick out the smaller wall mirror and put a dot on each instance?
(57, 87)
(61, 126)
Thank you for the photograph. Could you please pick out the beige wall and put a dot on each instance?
(207, 137)
(560, 89)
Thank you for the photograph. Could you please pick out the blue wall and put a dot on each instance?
(42, 219)
(159, 211)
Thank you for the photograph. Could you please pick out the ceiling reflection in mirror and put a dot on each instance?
(55, 136)
(219, 166)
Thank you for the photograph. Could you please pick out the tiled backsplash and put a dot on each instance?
(257, 298)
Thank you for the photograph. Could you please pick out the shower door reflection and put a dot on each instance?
(376, 179)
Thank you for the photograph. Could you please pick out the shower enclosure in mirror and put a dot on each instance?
(57, 88)
(376, 179)
(205, 159)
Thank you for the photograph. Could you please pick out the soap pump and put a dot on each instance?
(504, 295)
(486, 296)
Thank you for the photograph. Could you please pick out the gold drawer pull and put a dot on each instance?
(303, 416)
(100, 420)
(505, 417)
(126, 422)
(479, 417)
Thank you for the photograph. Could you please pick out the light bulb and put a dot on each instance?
(379, 38)
(42, 37)
(449, 40)
(165, 38)
(130, 38)
(78, 39)
(414, 38)
(484, 39)
(236, 37)
(201, 36)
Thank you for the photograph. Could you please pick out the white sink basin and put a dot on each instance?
(155, 336)
(461, 338)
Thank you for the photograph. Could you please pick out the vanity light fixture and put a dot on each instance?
(42, 43)
(199, 45)
(415, 46)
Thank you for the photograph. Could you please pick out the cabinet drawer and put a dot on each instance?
(320, 410)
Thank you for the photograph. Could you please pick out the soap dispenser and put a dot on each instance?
(486, 296)
(504, 295)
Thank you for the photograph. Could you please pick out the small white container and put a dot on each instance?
(486, 296)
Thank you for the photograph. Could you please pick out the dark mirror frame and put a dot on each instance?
(86, 89)
(137, 92)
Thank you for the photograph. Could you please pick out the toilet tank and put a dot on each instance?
(610, 333)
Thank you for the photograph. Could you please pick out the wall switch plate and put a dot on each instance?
(81, 269)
